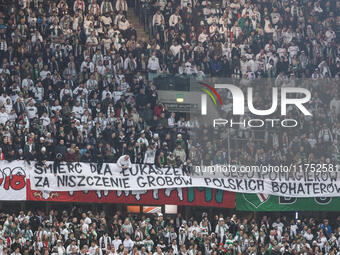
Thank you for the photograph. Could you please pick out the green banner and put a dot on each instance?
(262, 202)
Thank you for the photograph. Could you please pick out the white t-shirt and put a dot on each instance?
(128, 244)
(123, 162)
(116, 243)
(175, 49)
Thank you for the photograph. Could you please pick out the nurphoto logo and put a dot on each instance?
(238, 104)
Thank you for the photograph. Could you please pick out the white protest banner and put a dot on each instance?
(88, 176)
(85, 176)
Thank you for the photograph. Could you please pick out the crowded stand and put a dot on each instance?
(77, 83)
(95, 233)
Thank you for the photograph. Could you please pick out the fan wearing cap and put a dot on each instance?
(143, 141)
(180, 140)
(183, 233)
(148, 226)
(42, 155)
(156, 141)
(170, 159)
(20, 154)
(59, 248)
(180, 153)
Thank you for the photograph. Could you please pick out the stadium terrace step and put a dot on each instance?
(134, 19)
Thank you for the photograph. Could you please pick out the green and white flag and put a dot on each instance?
(263, 202)
(256, 199)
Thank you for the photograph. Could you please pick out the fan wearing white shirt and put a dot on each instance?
(16, 252)
(92, 83)
(106, 92)
(112, 252)
(124, 85)
(157, 19)
(80, 90)
(106, 7)
(172, 120)
(59, 249)
(207, 10)
(174, 246)
(73, 247)
(32, 111)
(39, 91)
(116, 242)
(121, 5)
(8, 106)
(106, 19)
(4, 97)
(86, 219)
(117, 94)
(27, 82)
(142, 140)
(84, 226)
(87, 66)
(330, 35)
(190, 68)
(308, 235)
(94, 7)
(105, 242)
(130, 63)
(213, 28)
(92, 40)
(95, 250)
(203, 36)
(118, 18)
(293, 50)
(281, 51)
(45, 119)
(153, 66)
(174, 18)
(56, 107)
(159, 251)
(175, 48)
(195, 227)
(43, 73)
(128, 243)
(78, 110)
(124, 162)
(66, 92)
(3, 116)
(123, 24)
(184, 3)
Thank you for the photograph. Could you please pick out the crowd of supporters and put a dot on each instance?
(77, 83)
(95, 233)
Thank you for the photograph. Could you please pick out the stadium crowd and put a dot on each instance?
(77, 83)
(94, 233)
